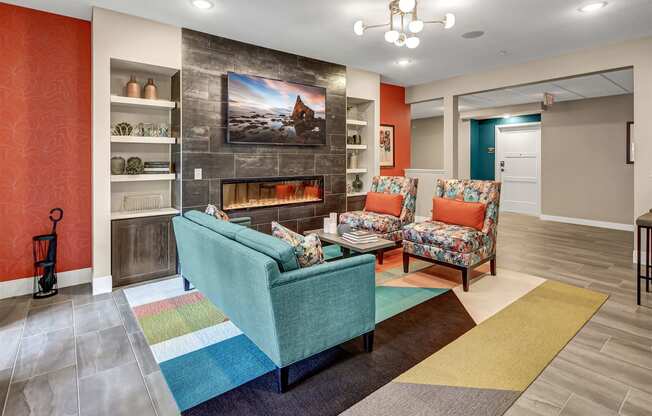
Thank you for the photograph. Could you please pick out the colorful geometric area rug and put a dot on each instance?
(435, 347)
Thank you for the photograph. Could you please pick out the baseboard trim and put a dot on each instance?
(590, 223)
(102, 285)
(25, 286)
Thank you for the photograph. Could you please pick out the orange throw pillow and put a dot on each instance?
(382, 203)
(451, 211)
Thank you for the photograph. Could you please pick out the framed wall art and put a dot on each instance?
(386, 143)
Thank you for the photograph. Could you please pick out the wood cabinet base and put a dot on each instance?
(142, 249)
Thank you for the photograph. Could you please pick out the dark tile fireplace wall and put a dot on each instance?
(206, 60)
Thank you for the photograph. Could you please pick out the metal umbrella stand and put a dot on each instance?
(44, 249)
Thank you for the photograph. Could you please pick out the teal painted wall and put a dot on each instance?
(483, 136)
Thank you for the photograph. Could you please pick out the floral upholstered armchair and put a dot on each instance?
(386, 226)
(457, 246)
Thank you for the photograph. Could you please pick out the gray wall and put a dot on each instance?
(206, 60)
(427, 143)
(583, 170)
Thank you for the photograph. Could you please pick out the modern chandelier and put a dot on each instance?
(404, 24)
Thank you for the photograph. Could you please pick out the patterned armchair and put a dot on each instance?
(386, 226)
(456, 246)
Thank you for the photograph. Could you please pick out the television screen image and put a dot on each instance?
(268, 111)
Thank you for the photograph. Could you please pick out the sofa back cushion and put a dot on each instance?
(382, 203)
(275, 248)
(451, 211)
(225, 228)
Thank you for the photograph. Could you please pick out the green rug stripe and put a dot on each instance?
(180, 321)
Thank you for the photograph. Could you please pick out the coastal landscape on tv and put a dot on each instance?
(268, 111)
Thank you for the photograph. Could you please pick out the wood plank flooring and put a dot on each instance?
(607, 368)
(79, 354)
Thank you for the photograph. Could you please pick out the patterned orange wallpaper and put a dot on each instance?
(45, 136)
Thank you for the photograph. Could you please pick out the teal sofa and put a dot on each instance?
(288, 312)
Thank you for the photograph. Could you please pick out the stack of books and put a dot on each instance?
(360, 237)
(157, 167)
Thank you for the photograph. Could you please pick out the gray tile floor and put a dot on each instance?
(79, 354)
(75, 354)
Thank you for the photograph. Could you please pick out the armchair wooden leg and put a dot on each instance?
(282, 379)
(465, 279)
(406, 262)
(368, 339)
(492, 265)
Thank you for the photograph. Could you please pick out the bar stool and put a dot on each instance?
(644, 222)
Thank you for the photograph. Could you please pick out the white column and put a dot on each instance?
(451, 121)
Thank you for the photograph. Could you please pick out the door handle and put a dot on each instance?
(502, 166)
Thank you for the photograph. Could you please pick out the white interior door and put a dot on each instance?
(518, 153)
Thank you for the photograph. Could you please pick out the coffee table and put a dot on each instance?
(377, 247)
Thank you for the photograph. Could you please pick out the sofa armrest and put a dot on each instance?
(342, 265)
(318, 307)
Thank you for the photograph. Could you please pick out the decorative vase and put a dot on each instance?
(353, 160)
(133, 89)
(357, 184)
(117, 165)
(150, 90)
(135, 166)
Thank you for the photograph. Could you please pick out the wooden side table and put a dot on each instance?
(643, 223)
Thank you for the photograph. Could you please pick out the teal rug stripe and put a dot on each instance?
(391, 301)
(203, 374)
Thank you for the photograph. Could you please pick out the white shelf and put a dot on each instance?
(121, 215)
(142, 102)
(352, 122)
(356, 194)
(356, 146)
(143, 139)
(359, 170)
(143, 177)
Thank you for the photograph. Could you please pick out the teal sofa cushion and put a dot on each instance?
(274, 247)
(224, 228)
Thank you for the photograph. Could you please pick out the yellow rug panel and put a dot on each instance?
(510, 349)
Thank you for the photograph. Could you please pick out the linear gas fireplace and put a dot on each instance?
(271, 192)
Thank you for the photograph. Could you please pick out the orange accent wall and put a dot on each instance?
(45, 137)
(394, 111)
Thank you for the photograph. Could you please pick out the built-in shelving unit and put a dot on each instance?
(143, 139)
(360, 135)
(146, 115)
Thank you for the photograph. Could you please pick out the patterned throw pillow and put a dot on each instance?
(307, 249)
(217, 213)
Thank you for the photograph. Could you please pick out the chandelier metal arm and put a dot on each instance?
(404, 23)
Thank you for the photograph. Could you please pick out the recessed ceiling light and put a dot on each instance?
(473, 34)
(202, 4)
(507, 115)
(503, 52)
(404, 62)
(591, 7)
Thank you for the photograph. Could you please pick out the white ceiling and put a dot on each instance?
(590, 86)
(525, 29)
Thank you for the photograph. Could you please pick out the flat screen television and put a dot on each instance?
(269, 111)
